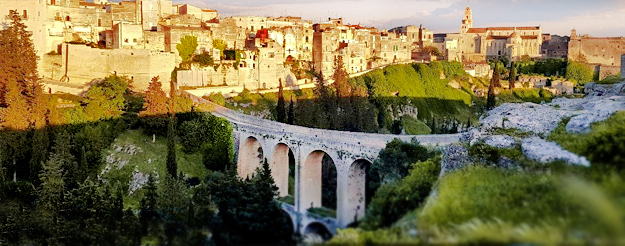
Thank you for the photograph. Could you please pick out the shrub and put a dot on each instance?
(393, 200)
(484, 152)
(217, 98)
(395, 161)
(603, 145)
(204, 59)
(579, 72)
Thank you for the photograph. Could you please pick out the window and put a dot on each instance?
(126, 40)
(99, 22)
(134, 40)
(25, 16)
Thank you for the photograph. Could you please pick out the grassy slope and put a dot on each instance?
(189, 164)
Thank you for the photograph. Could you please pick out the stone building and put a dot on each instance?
(555, 46)
(33, 13)
(361, 48)
(481, 44)
(127, 36)
(603, 54)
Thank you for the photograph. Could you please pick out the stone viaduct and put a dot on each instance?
(351, 152)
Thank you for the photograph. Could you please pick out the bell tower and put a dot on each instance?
(467, 20)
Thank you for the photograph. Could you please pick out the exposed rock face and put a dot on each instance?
(544, 151)
(593, 89)
(454, 157)
(500, 141)
(529, 117)
(472, 136)
(589, 110)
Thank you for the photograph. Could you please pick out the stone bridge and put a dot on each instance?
(256, 139)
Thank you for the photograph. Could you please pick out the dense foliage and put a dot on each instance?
(186, 47)
(393, 200)
(579, 72)
(603, 145)
(546, 67)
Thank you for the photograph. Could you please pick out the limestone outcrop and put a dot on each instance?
(544, 151)
(529, 117)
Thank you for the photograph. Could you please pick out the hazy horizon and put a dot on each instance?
(597, 18)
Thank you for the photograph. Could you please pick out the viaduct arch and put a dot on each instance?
(257, 139)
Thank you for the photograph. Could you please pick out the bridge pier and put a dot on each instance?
(352, 154)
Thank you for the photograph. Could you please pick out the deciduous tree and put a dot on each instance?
(186, 47)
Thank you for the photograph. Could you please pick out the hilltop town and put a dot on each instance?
(78, 41)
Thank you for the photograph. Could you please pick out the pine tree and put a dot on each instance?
(52, 179)
(15, 116)
(155, 99)
(281, 107)
(39, 154)
(148, 213)
(19, 59)
(291, 114)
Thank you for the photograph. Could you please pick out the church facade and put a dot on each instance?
(482, 44)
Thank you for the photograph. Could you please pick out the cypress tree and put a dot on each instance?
(172, 165)
(490, 100)
(291, 114)
(281, 108)
(512, 76)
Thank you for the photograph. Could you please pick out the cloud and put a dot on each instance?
(598, 23)
(598, 17)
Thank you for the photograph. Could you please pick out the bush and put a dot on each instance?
(484, 152)
(603, 145)
(395, 161)
(579, 72)
(217, 98)
(204, 59)
(393, 200)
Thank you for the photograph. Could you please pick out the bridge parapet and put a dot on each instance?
(257, 139)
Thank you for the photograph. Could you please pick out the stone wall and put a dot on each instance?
(622, 66)
(605, 52)
(87, 63)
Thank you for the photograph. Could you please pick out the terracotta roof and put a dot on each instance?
(355, 26)
(209, 10)
(477, 30)
(529, 37)
(497, 37)
(485, 29)
(512, 28)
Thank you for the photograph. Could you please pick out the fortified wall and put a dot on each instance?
(85, 63)
(603, 54)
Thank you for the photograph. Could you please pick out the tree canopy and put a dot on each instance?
(186, 47)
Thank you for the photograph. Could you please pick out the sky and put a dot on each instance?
(595, 17)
